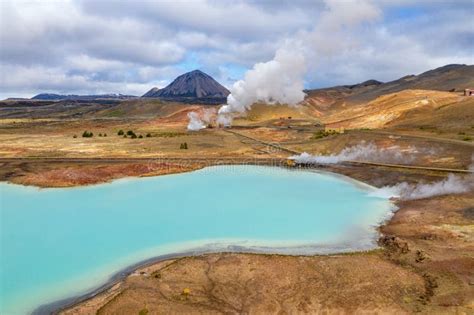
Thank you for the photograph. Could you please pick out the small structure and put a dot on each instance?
(334, 129)
(469, 92)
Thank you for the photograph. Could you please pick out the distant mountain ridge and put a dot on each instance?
(60, 97)
(192, 87)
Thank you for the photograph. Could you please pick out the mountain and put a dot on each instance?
(152, 92)
(192, 87)
(48, 96)
(454, 77)
(60, 97)
(447, 78)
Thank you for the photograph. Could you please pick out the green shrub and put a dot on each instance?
(466, 138)
(125, 136)
(183, 146)
(130, 132)
(87, 134)
(148, 135)
(100, 134)
(105, 135)
(133, 136)
(120, 132)
(140, 136)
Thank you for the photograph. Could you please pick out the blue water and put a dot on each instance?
(56, 243)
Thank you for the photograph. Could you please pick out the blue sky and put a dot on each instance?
(85, 46)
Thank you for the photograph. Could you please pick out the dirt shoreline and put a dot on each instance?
(405, 247)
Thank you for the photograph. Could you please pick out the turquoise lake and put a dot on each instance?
(57, 243)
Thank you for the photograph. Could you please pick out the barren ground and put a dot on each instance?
(424, 265)
(426, 257)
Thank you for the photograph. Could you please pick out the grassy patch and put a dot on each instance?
(322, 134)
(116, 113)
(168, 134)
(143, 311)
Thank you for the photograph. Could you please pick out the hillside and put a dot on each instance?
(192, 87)
(446, 78)
(151, 92)
(393, 109)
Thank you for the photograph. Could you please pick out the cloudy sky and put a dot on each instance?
(90, 47)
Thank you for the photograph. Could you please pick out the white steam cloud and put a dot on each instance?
(453, 184)
(199, 120)
(281, 80)
(195, 122)
(360, 152)
(278, 81)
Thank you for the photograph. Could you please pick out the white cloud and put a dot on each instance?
(77, 45)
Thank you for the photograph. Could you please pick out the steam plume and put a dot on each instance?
(195, 123)
(453, 184)
(362, 151)
(199, 120)
(280, 80)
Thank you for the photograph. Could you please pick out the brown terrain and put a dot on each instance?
(425, 261)
(424, 265)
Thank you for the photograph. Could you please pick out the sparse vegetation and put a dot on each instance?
(75, 136)
(143, 311)
(100, 134)
(169, 134)
(322, 134)
(87, 134)
(467, 138)
(184, 146)
(120, 132)
(131, 134)
(116, 113)
(140, 136)
(148, 135)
